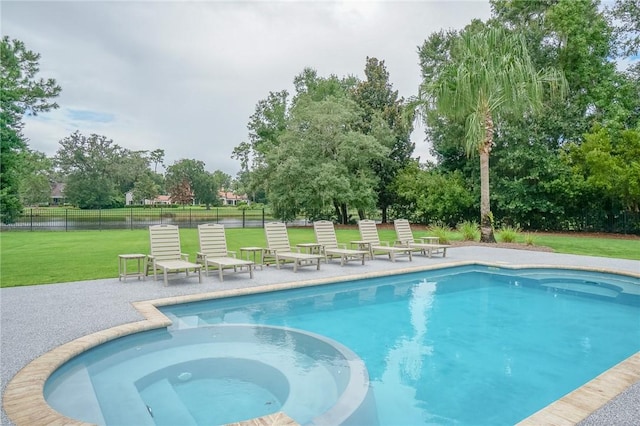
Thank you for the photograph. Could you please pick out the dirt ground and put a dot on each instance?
(503, 245)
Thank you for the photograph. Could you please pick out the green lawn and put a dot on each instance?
(28, 258)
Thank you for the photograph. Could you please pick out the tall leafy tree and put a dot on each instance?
(322, 164)
(609, 162)
(36, 172)
(89, 163)
(181, 180)
(489, 75)
(145, 188)
(575, 37)
(187, 180)
(627, 14)
(383, 118)
(20, 93)
(265, 126)
(157, 157)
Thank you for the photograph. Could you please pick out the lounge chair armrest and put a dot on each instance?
(342, 246)
(184, 256)
(295, 249)
(232, 254)
(384, 243)
(401, 243)
(200, 256)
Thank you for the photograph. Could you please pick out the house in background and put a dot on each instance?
(231, 199)
(160, 200)
(57, 194)
(227, 198)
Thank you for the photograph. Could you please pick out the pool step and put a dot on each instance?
(84, 403)
(173, 411)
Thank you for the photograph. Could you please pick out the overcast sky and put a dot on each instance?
(186, 76)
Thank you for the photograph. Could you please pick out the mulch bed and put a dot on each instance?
(503, 245)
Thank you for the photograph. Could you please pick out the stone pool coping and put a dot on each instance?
(23, 399)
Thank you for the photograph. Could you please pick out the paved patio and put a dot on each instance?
(37, 319)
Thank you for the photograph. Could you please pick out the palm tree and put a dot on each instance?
(488, 74)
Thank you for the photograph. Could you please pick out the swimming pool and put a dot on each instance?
(466, 345)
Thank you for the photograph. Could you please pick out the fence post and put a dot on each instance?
(31, 219)
(190, 221)
(66, 219)
(99, 219)
(263, 217)
(217, 214)
(131, 217)
(243, 215)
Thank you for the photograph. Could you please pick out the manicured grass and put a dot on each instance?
(28, 258)
(590, 246)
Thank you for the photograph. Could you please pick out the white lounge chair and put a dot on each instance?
(369, 235)
(213, 251)
(279, 249)
(326, 237)
(166, 254)
(405, 238)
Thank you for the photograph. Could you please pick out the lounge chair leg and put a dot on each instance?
(166, 279)
(250, 271)
(220, 272)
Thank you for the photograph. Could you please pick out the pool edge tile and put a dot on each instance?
(590, 397)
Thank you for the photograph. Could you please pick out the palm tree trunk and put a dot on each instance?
(486, 218)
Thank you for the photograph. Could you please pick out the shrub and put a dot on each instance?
(529, 239)
(508, 234)
(441, 231)
(470, 230)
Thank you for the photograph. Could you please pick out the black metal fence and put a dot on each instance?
(43, 219)
(48, 219)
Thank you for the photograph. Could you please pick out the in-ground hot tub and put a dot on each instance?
(214, 375)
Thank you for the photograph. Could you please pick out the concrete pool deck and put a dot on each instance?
(39, 319)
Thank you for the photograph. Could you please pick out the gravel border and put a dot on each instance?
(36, 319)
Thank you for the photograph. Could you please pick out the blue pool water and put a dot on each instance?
(463, 346)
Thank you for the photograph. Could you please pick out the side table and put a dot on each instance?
(122, 266)
(363, 245)
(255, 251)
(311, 248)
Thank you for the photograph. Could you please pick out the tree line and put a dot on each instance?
(529, 119)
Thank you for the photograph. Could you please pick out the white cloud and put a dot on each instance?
(186, 76)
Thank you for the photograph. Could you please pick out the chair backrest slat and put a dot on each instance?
(213, 241)
(325, 234)
(164, 241)
(277, 237)
(403, 231)
(369, 232)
